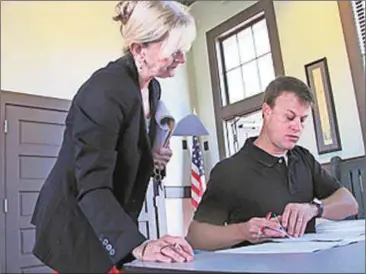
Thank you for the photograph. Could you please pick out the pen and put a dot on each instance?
(281, 230)
(262, 228)
(267, 217)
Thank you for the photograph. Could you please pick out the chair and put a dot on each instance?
(352, 175)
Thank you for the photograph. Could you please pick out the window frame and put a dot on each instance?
(360, 26)
(355, 60)
(263, 9)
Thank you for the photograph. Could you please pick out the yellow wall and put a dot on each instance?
(50, 48)
(308, 30)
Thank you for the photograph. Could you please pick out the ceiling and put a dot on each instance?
(187, 2)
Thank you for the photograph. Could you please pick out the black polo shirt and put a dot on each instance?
(252, 182)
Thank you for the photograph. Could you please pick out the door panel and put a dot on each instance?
(31, 146)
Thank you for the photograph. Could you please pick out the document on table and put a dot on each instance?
(329, 234)
(323, 237)
(354, 227)
(272, 247)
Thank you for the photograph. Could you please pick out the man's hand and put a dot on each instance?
(295, 218)
(162, 157)
(167, 249)
(258, 230)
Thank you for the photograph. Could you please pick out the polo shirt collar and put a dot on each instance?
(262, 156)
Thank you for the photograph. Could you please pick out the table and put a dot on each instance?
(344, 259)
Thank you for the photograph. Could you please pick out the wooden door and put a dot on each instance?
(32, 139)
(32, 142)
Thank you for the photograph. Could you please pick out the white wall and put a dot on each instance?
(308, 30)
(50, 48)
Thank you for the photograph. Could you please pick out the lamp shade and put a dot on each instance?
(190, 125)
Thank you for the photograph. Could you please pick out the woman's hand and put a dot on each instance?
(167, 249)
(162, 157)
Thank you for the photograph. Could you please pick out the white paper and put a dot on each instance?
(354, 227)
(271, 248)
(323, 224)
(329, 234)
(322, 237)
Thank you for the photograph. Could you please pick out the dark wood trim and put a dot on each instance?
(243, 107)
(274, 38)
(262, 8)
(187, 2)
(355, 60)
(2, 187)
(42, 102)
(240, 27)
(328, 165)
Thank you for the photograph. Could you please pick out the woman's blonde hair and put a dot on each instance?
(154, 21)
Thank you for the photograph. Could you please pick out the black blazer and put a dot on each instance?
(86, 213)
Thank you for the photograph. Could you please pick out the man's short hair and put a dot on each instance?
(287, 84)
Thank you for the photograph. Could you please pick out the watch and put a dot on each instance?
(319, 206)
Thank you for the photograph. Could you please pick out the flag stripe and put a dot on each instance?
(196, 176)
(198, 184)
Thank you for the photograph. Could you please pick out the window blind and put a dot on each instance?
(359, 16)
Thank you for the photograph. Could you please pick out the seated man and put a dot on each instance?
(269, 174)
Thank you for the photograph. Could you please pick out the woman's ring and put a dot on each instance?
(164, 246)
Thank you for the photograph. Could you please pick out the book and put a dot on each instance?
(165, 126)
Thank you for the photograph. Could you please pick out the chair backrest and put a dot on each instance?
(352, 175)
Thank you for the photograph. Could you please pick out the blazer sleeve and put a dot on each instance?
(98, 116)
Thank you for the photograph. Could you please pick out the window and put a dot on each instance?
(246, 62)
(244, 56)
(239, 129)
(358, 8)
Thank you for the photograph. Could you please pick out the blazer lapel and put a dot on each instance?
(144, 139)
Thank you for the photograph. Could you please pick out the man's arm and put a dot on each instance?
(208, 231)
(337, 201)
(339, 205)
(207, 236)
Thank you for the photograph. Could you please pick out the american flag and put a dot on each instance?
(197, 173)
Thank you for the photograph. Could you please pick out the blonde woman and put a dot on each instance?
(86, 214)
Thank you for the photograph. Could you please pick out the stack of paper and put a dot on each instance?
(355, 227)
(329, 234)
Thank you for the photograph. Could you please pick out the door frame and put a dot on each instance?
(25, 100)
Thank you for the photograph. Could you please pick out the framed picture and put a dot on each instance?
(324, 115)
